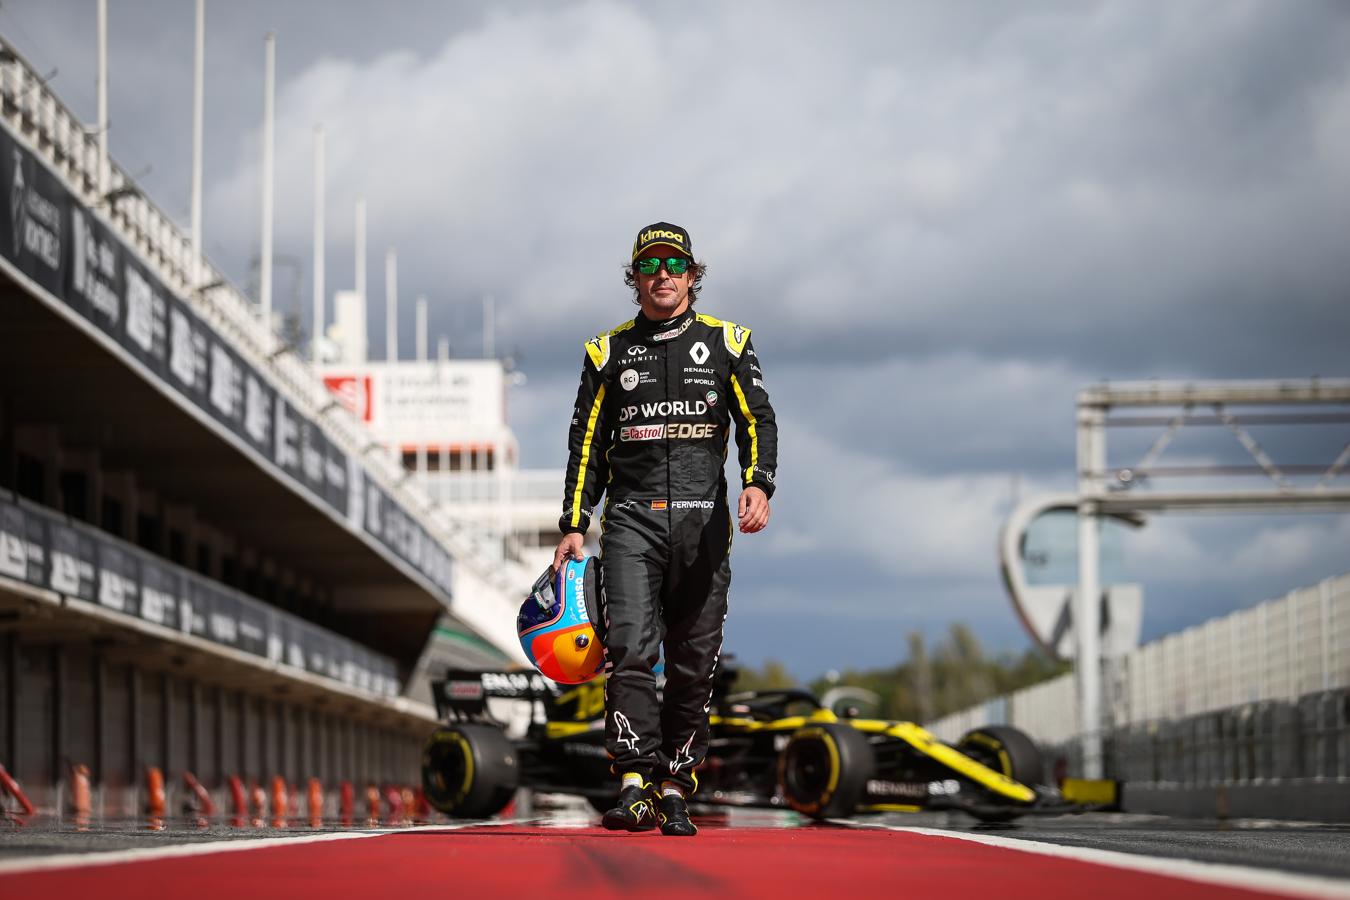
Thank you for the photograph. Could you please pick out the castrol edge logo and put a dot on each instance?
(674, 430)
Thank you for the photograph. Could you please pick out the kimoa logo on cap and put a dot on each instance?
(652, 234)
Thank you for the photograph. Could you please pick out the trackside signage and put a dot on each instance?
(44, 549)
(52, 238)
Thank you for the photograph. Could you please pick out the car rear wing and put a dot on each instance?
(464, 693)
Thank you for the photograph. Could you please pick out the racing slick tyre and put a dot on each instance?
(469, 770)
(824, 769)
(1005, 749)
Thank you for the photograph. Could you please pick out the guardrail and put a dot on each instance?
(70, 149)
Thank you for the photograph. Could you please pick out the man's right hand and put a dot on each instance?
(572, 546)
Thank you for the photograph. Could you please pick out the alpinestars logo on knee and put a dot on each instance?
(627, 736)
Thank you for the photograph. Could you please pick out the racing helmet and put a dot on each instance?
(556, 623)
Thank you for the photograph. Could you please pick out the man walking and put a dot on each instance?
(658, 396)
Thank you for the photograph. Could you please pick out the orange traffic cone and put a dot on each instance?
(346, 802)
(279, 809)
(80, 801)
(154, 797)
(238, 801)
(315, 797)
(373, 804)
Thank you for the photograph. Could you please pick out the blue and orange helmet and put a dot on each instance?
(556, 623)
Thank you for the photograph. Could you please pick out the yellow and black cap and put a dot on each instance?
(663, 234)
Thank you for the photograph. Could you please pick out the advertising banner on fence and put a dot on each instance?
(50, 237)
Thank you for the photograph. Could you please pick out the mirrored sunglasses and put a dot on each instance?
(675, 265)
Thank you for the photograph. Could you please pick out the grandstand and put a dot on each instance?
(206, 564)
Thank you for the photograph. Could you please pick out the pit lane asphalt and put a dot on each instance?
(1299, 847)
(1306, 848)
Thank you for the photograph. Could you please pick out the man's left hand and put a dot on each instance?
(753, 510)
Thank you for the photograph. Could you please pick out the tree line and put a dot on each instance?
(954, 674)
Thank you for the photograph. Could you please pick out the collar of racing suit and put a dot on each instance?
(664, 329)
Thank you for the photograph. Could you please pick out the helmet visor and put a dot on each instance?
(542, 607)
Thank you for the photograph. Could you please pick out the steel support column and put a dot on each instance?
(1087, 608)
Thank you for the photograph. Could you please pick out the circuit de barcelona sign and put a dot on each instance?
(48, 236)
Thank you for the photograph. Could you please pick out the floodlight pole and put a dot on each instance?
(1087, 601)
(198, 92)
(269, 79)
(391, 305)
(421, 327)
(489, 327)
(316, 337)
(421, 350)
(102, 92)
(360, 242)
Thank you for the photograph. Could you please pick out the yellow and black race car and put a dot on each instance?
(774, 749)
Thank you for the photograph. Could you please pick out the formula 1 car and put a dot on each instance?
(774, 749)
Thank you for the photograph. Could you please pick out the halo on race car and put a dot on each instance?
(556, 627)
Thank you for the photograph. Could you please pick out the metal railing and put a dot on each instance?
(72, 150)
(520, 486)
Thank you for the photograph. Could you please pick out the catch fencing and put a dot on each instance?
(1259, 694)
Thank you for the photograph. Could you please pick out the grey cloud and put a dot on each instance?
(959, 214)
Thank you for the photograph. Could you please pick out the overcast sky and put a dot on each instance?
(940, 219)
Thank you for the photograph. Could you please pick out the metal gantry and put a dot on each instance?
(1104, 491)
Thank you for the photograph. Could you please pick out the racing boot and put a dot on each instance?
(634, 811)
(673, 814)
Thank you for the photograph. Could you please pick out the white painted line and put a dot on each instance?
(203, 848)
(1224, 874)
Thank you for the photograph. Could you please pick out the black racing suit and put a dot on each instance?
(650, 427)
